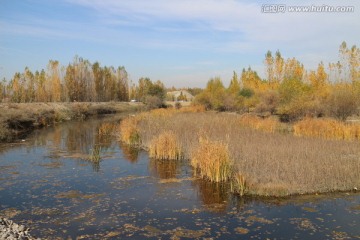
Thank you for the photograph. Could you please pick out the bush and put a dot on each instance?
(342, 103)
(153, 102)
(299, 108)
(246, 92)
(177, 105)
(268, 103)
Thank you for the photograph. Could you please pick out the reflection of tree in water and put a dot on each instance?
(130, 153)
(213, 195)
(164, 169)
(80, 139)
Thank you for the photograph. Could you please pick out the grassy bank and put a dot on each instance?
(256, 157)
(17, 119)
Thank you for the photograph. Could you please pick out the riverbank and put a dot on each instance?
(12, 231)
(18, 119)
(257, 156)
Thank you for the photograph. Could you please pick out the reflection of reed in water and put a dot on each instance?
(130, 153)
(104, 134)
(105, 141)
(85, 141)
(213, 195)
(95, 166)
(164, 169)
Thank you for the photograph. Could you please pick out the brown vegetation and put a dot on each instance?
(19, 118)
(165, 146)
(254, 122)
(211, 160)
(129, 131)
(327, 129)
(290, 90)
(264, 162)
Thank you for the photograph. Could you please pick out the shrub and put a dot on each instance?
(342, 103)
(246, 92)
(165, 146)
(211, 160)
(153, 102)
(177, 105)
(268, 103)
(299, 108)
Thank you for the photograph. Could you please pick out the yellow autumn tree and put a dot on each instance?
(54, 81)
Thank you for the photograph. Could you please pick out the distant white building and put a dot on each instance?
(181, 95)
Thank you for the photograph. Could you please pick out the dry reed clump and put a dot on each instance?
(238, 184)
(327, 129)
(129, 132)
(165, 146)
(211, 160)
(254, 122)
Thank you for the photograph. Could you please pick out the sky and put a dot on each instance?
(183, 43)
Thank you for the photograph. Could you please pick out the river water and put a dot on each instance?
(48, 183)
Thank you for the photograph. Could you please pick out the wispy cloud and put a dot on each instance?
(226, 17)
(234, 33)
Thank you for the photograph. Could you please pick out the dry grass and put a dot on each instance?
(255, 122)
(238, 184)
(211, 160)
(129, 131)
(327, 129)
(264, 163)
(165, 146)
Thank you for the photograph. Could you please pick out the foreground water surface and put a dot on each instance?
(48, 183)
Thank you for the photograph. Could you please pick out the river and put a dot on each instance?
(48, 183)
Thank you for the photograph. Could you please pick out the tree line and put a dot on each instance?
(290, 90)
(79, 81)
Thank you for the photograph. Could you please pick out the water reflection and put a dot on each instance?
(53, 188)
(213, 195)
(130, 153)
(79, 140)
(164, 169)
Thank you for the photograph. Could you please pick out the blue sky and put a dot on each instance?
(180, 42)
